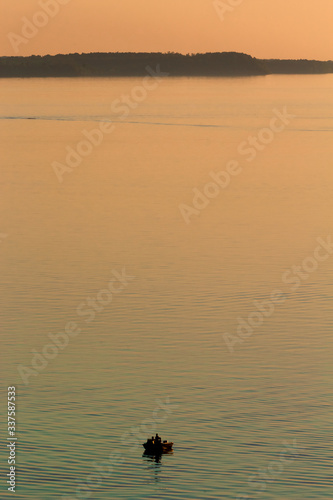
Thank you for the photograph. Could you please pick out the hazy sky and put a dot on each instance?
(262, 28)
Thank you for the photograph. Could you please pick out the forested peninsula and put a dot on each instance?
(119, 64)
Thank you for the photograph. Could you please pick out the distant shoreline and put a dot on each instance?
(117, 64)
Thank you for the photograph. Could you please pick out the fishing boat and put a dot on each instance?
(157, 446)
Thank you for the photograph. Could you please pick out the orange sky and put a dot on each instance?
(263, 28)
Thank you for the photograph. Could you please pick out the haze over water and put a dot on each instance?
(229, 414)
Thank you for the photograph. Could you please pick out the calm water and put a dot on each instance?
(161, 341)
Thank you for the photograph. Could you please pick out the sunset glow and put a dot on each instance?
(261, 28)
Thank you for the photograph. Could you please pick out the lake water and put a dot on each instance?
(250, 413)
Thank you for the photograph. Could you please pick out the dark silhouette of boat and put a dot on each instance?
(155, 446)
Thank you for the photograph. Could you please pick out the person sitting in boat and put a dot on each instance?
(157, 439)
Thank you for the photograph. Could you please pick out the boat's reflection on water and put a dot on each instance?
(155, 457)
(154, 465)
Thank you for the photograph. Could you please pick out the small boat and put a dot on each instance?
(158, 447)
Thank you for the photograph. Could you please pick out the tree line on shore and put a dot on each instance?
(135, 64)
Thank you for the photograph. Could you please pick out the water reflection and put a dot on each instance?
(155, 457)
(154, 464)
